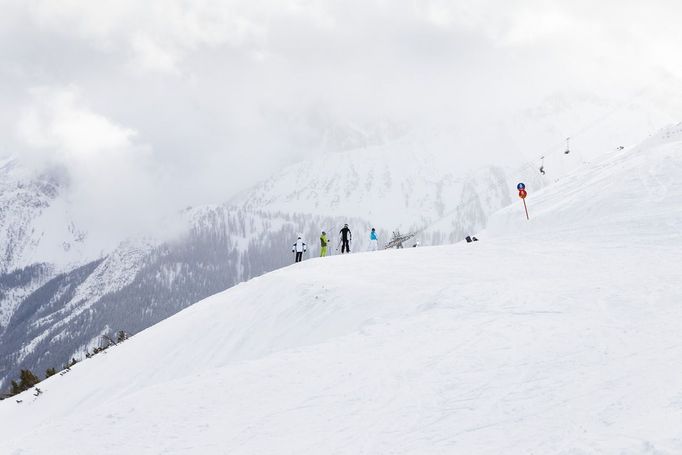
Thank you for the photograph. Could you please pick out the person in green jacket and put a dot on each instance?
(323, 244)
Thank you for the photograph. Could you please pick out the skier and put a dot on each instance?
(373, 241)
(323, 244)
(299, 248)
(346, 238)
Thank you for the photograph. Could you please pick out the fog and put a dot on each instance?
(150, 106)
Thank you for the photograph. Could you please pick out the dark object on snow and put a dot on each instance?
(38, 392)
(470, 239)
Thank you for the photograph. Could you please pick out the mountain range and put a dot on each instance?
(59, 296)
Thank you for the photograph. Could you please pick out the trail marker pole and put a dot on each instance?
(522, 194)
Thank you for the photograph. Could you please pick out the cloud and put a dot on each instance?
(191, 102)
(156, 35)
(111, 182)
(57, 121)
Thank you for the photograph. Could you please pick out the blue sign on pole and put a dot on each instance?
(521, 186)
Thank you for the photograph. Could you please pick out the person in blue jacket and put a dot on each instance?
(373, 240)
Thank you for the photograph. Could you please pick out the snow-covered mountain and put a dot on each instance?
(52, 311)
(554, 335)
(57, 309)
(406, 184)
(35, 224)
(38, 238)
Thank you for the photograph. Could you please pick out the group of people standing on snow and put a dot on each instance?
(346, 238)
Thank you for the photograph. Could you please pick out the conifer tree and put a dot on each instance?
(26, 380)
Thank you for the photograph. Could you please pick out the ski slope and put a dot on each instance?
(558, 335)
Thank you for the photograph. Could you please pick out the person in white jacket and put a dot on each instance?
(299, 248)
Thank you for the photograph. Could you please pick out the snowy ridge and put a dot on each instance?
(114, 273)
(555, 335)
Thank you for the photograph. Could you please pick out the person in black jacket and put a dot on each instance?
(346, 238)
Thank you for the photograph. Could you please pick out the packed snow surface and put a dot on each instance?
(558, 335)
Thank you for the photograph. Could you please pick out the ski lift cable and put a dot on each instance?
(551, 151)
(555, 150)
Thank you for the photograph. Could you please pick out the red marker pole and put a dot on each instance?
(522, 195)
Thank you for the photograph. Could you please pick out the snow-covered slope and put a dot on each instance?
(556, 335)
(631, 194)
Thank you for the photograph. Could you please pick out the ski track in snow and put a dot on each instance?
(555, 336)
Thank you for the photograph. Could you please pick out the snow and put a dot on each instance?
(558, 335)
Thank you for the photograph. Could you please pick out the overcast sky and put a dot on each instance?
(180, 102)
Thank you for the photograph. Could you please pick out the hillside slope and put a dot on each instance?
(558, 335)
